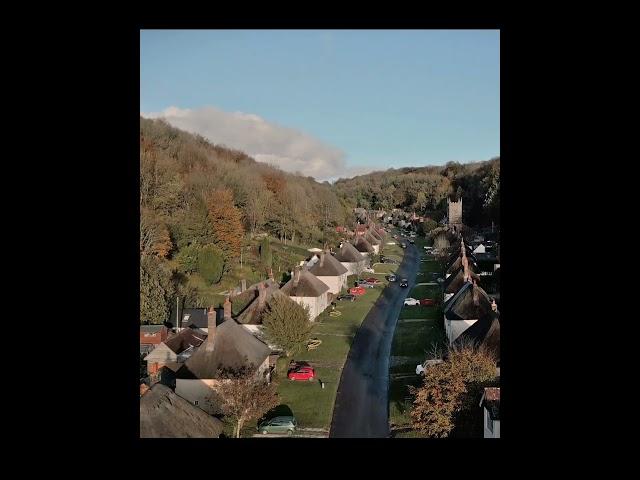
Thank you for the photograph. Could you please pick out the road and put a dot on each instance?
(362, 405)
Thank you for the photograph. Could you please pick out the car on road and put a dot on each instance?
(372, 280)
(404, 282)
(357, 291)
(391, 278)
(302, 373)
(411, 301)
(427, 301)
(286, 425)
(348, 297)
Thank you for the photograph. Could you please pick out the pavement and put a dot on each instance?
(361, 409)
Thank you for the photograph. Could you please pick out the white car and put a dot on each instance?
(411, 301)
(369, 270)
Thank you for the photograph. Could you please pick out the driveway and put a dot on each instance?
(362, 407)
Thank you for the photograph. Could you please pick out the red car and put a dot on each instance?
(302, 373)
(427, 301)
(375, 281)
(357, 291)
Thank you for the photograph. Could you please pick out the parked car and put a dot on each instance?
(391, 278)
(363, 283)
(369, 270)
(302, 373)
(427, 301)
(404, 282)
(412, 241)
(357, 291)
(373, 280)
(403, 245)
(286, 425)
(349, 297)
(411, 301)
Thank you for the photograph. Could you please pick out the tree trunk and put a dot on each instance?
(238, 427)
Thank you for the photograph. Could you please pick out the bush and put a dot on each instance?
(211, 263)
(286, 324)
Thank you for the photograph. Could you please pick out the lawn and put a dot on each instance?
(308, 402)
(411, 342)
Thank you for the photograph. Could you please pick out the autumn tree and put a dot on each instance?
(286, 324)
(226, 222)
(211, 263)
(154, 235)
(449, 388)
(244, 396)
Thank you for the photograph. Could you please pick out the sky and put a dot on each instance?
(330, 103)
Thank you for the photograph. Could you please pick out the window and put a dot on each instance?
(489, 422)
(195, 402)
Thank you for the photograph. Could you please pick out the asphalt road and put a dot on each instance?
(362, 404)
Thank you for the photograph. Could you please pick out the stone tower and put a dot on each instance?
(455, 211)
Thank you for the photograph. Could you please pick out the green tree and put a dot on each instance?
(211, 263)
(187, 258)
(286, 324)
(154, 305)
(265, 253)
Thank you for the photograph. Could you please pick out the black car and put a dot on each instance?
(404, 282)
(348, 297)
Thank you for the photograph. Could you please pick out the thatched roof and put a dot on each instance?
(456, 280)
(464, 306)
(163, 414)
(252, 314)
(233, 348)
(362, 245)
(307, 285)
(327, 266)
(349, 254)
(369, 237)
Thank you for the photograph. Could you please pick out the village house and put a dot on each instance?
(490, 402)
(163, 414)
(330, 272)
(373, 241)
(472, 317)
(151, 336)
(455, 281)
(363, 246)
(228, 347)
(307, 290)
(350, 258)
(173, 352)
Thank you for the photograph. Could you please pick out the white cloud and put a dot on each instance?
(287, 148)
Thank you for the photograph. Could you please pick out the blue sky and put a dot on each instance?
(369, 99)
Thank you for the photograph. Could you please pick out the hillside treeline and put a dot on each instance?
(425, 190)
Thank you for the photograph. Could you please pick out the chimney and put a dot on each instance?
(296, 276)
(476, 296)
(271, 275)
(227, 309)
(211, 328)
(243, 285)
(322, 259)
(262, 295)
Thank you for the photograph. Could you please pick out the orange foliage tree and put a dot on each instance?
(226, 220)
